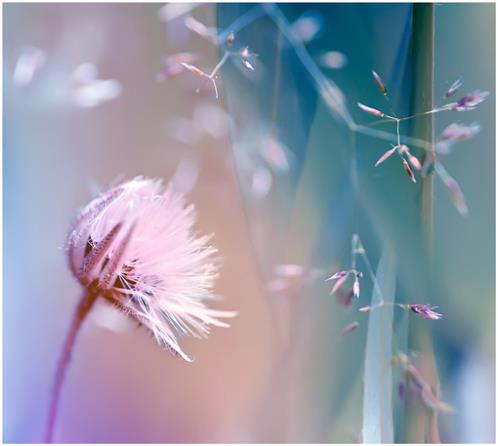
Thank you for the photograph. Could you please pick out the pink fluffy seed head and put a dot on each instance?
(146, 259)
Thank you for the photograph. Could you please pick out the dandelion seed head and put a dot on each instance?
(135, 246)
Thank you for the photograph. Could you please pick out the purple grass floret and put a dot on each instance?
(453, 88)
(380, 83)
(371, 110)
(425, 310)
(470, 101)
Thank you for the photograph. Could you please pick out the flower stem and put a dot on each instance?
(84, 306)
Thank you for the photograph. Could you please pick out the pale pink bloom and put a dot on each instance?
(386, 155)
(371, 110)
(380, 83)
(453, 88)
(135, 246)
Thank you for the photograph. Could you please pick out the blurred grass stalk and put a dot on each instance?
(423, 42)
(423, 29)
(377, 392)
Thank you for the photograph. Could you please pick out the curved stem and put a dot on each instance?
(84, 306)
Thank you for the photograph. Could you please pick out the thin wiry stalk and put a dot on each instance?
(241, 22)
(328, 90)
(84, 306)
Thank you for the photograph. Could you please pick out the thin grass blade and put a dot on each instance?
(377, 393)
